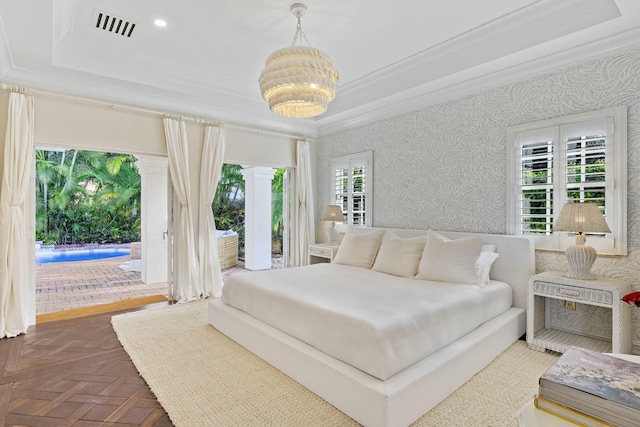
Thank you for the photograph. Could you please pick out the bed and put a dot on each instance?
(384, 364)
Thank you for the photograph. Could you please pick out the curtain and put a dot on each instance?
(303, 227)
(187, 284)
(210, 168)
(16, 178)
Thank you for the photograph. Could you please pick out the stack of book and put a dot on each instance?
(591, 389)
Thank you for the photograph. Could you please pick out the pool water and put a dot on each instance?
(44, 257)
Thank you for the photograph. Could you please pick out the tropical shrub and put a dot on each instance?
(86, 197)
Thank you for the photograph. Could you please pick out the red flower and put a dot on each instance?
(632, 298)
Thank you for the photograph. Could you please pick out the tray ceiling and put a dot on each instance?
(392, 56)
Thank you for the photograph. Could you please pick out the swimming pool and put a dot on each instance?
(44, 257)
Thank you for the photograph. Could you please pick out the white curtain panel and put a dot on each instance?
(303, 230)
(186, 271)
(14, 268)
(210, 168)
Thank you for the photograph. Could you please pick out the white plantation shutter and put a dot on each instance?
(580, 158)
(352, 178)
(535, 189)
(585, 167)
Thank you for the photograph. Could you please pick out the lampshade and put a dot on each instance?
(581, 218)
(332, 213)
(298, 81)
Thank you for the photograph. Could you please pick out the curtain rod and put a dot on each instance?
(113, 105)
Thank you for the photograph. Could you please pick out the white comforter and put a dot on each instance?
(376, 322)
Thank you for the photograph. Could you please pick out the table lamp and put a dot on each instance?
(332, 213)
(581, 218)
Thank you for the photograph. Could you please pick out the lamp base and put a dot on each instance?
(333, 235)
(580, 259)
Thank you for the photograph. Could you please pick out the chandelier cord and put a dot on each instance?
(300, 33)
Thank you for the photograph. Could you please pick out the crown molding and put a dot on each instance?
(482, 78)
(254, 115)
(535, 25)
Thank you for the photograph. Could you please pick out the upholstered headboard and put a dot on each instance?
(514, 266)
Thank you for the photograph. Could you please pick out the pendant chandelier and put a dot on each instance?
(298, 81)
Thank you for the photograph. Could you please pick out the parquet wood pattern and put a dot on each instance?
(73, 373)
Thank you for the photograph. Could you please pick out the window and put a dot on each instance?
(352, 177)
(578, 158)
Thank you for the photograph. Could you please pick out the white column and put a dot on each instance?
(153, 207)
(257, 217)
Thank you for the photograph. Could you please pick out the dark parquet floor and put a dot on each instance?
(73, 373)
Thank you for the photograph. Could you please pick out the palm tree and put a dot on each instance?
(47, 172)
(228, 204)
(87, 196)
(277, 208)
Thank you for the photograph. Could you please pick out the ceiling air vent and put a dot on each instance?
(112, 24)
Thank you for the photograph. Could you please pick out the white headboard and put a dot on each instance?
(514, 266)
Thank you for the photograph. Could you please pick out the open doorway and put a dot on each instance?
(229, 212)
(88, 216)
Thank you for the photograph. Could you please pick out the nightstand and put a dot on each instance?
(564, 312)
(320, 252)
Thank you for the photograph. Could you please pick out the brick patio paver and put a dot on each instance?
(66, 285)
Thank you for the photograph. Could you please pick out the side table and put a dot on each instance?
(321, 252)
(602, 292)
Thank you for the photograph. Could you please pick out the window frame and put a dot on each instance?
(615, 184)
(348, 162)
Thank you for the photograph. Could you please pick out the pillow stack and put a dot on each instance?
(430, 257)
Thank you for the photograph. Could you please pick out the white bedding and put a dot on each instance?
(376, 322)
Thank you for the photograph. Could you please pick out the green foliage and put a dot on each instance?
(228, 204)
(541, 200)
(277, 203)
(86, 197)
(90, 197)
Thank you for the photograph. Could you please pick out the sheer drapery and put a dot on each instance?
(303, 229)
(188, 287)
(14, 266)
(210, 168)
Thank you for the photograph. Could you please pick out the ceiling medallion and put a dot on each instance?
(298, 81)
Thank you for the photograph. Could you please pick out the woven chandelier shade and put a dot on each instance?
(298, 81)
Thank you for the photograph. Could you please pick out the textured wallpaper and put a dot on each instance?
(443, 167)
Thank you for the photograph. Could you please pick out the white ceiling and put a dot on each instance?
(392, 56)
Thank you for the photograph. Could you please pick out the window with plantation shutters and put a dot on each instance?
(352, 178)
(579, 158)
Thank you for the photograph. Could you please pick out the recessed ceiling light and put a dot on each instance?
(160, 23)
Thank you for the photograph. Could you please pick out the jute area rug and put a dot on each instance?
(203, 378)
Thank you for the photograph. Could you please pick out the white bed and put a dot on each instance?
(408, 388)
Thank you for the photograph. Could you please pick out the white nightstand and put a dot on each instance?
(543, 309)
(320, 252)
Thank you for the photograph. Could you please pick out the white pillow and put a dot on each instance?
(399, 256)
(483, 267)
(359, 249)
(445, 260)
